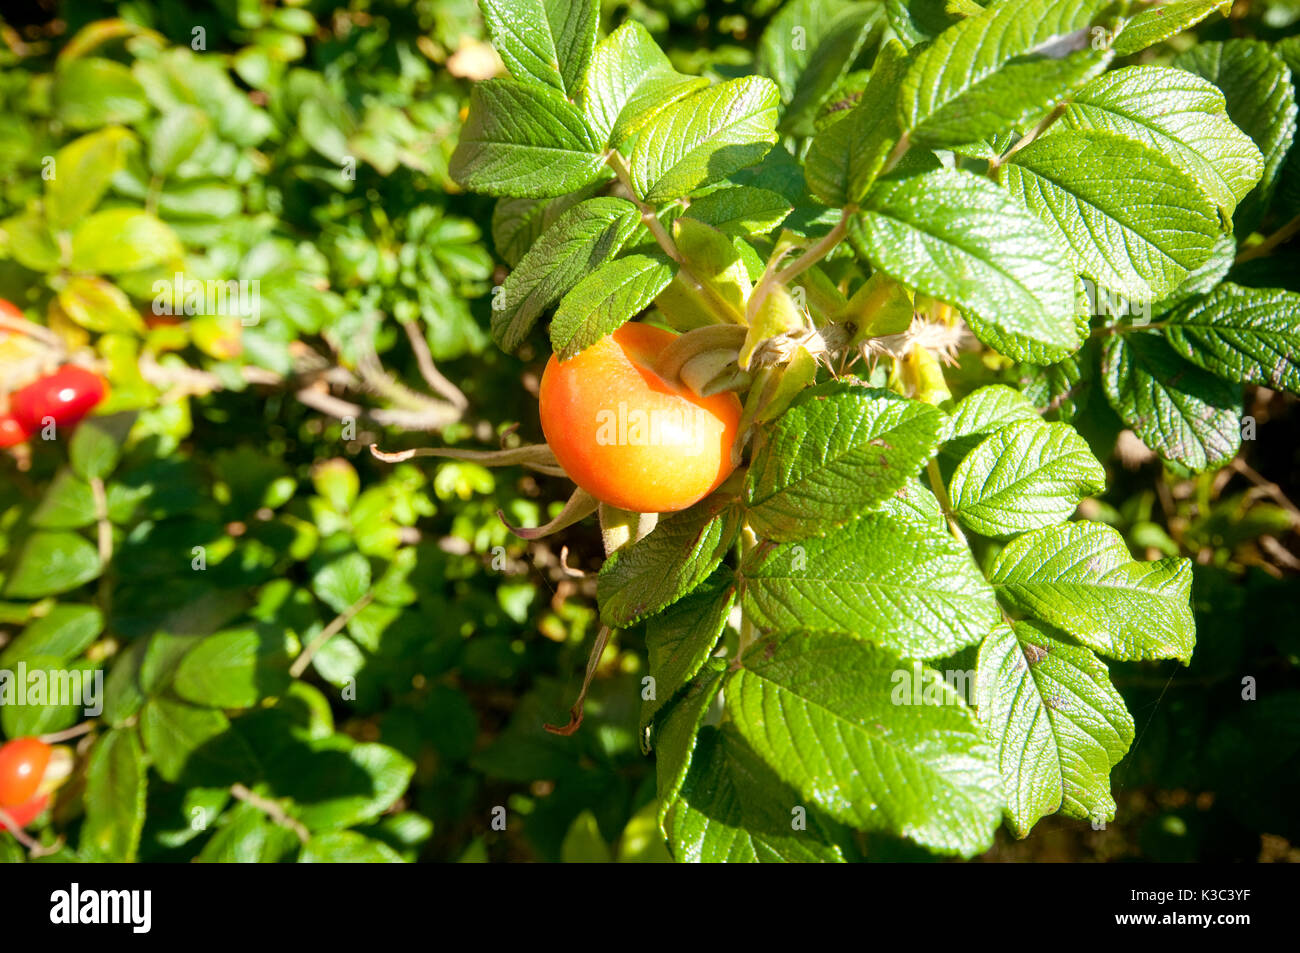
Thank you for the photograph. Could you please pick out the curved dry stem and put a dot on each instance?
(576, 711)
(535, 456)
(580, 505)
(334, 628)
(272, 810)
(38, 332)
(429, 371)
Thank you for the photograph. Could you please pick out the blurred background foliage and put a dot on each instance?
(305, 144)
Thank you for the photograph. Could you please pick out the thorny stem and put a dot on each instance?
(429, 371)
(67, 734)
(272, 810)
(593, 660)
(343, 618)
(1270, 488)
(34, 848)
(1282, 235)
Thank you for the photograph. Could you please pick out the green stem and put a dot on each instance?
(650, 218)
(748, 540)
(614, 160)
(818, 249)
(941, 494)
(152, 196)
(1025, 140)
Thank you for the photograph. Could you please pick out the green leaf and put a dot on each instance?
(91, 92)
(1241, 334)
(628, 82)
(677, 733)
(336, 783)
(164, 653)
(342, 583)
(49, 563)
(1081, 579)
(99, 305)
(544, 41)
(642, 578)
(1056, 722)
(680, 640)
(788, 46)
(347, 847)
(821, 710)
(583, 843)
(27, 238)
(114, 798)
(641, 841)
(122, 239)
(733, 809)
(916, 21)
(68, 503)
(247, 836)
(194, 743)
(68, 688)
(123, 696)
(1185, 414)
(704, 138)
(1200, 280)
(741, 210)
(581, 240)
(887, 577)
(833, 37)
(524, 141)
(993, 71)
(1256, 82)
(959, 238)
(846, 156)
(516, 224)
(64, 632)
(1179, 115)
(1136, 222)
(837, 452)
(1021, 347)
(1151, 26)
(1027, 475)
(606, 299)
(1063, 388)
(337, 482)
(203, 201)
(231, 670)
(96, 445)
(82, 170)
(175, 137)
(718, 801)
(988, 409)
